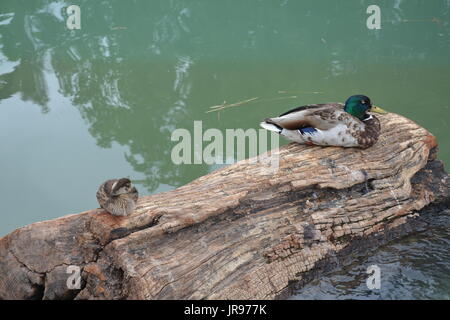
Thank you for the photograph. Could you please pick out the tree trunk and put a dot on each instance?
(241, 232)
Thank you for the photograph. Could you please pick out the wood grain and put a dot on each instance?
(241, 232)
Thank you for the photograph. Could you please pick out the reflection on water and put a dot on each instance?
(109, 95)
(415, 267)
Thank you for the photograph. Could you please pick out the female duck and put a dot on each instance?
(330, 124)
(117, 196)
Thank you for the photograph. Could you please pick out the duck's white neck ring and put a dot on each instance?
(368, 118)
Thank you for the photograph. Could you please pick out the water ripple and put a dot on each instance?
(415, 267)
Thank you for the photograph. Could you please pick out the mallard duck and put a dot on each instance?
(117, 196)
(330, 124)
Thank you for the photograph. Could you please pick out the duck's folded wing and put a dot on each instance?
(319, 116)
(134, 194)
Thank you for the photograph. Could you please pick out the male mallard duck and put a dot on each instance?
(117, 196)
(330, 124)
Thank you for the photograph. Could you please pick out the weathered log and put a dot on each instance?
(241, 232)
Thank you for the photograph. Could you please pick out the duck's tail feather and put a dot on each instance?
(269, 125)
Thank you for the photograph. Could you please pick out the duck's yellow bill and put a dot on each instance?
(377, 110)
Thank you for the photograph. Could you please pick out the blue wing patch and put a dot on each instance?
(309, 130)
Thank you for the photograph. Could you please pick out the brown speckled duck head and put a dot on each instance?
(121, 186)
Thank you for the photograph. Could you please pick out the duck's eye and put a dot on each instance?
(363, 101)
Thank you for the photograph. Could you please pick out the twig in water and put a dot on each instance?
(224, 106)
(434, 19)
(312, 92)
(281, 98)
(219, 105)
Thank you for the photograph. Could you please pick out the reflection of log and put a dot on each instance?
(239, 232)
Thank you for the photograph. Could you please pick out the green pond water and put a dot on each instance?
(81, 106)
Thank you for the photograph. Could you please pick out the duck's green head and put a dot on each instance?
(358, 105)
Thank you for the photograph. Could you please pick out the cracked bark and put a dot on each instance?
(241, 232)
